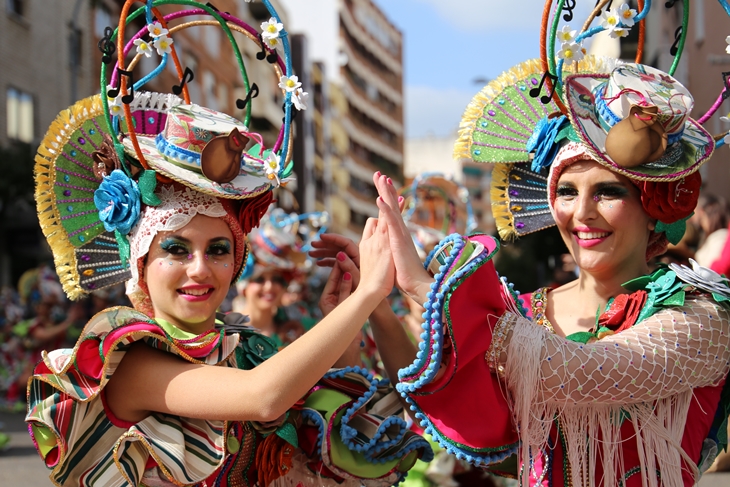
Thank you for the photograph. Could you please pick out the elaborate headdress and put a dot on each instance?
(631, 118)
(282, 241)
(445, 206)
(118, 167)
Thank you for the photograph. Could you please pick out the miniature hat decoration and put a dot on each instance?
(636, 122)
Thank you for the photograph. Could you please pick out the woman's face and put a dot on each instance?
(189, 271)
(265, 291)
(601, 219)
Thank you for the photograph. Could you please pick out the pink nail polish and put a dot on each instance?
(347, 276)
(390, 181)
(341, 256)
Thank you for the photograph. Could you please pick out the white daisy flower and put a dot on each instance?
(571, 52)
(727, 49)
(271, 28)
(290, 84)
(618, 33)
(299, 99)
(273, 166)
(566, 35)
(156, 29)
(163, 44)
(143, 47)
(627, 15)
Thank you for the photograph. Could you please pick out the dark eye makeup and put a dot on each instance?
(178, 247)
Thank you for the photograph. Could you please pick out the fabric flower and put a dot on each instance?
(143, 47)
(726, 118)
(156, 29)
(118, 201)
(273, 166)
(571, 52)
(669, 202)
(543, 142)
(105, 158)
(624, 311)
(116, 108)
(702, 278)
(252, 210)
(271, 29)
(299, 98)
(727, 49)
(627, 15)
(163, 44)
(290, 84)
(610, 20)
(566, 35)
(258, 348)
(618, 33)
(272, 42)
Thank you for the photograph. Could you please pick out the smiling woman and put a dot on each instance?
(618, 378)
(169, 392)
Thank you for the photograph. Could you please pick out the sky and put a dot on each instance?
(450, 44)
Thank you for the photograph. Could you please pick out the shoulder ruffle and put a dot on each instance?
(450, 385)
(83, 444)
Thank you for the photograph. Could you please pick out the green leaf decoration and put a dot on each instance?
(147, 183)
(580, 337)
(673, 231)
(719, 298)
(123, 243)
(676, 299)
(642, 282)
(288, 433)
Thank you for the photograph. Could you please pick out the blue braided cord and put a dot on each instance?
(284, 35)
(537, 207)
(152, 73)
(643, 13)
(471, 457)
(148, 13)
(720, 143)
(174, 152)
(726, 6)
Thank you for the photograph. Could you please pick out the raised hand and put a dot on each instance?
(411, 277)
(377, 271)
(330, 245)
(337, 288)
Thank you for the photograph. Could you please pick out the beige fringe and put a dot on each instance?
(589, 430)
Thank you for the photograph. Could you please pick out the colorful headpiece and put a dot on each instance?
(631, 118)
(108, 163)
(282, 241)
(447, 210)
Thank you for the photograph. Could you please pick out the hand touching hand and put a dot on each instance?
(377, 271)
(411, 277)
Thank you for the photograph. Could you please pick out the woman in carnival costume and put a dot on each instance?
(152, 190)
(620, 377)
(278, 256)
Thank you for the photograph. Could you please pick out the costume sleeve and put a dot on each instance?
(79, 438)
(672, 351)
(450, 386)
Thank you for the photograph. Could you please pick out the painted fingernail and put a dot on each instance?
(390, 181)
(377, 173)
(341, 256)
(400, 198)
(347, 276)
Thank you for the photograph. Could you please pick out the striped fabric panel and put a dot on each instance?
(92, 451)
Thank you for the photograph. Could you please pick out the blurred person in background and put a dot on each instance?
(712, 215)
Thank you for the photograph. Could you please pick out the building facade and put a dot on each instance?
(45, 66)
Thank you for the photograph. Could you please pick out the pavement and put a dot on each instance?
(20, 465)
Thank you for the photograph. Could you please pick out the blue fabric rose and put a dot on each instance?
(543, 141)
(118, 202)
